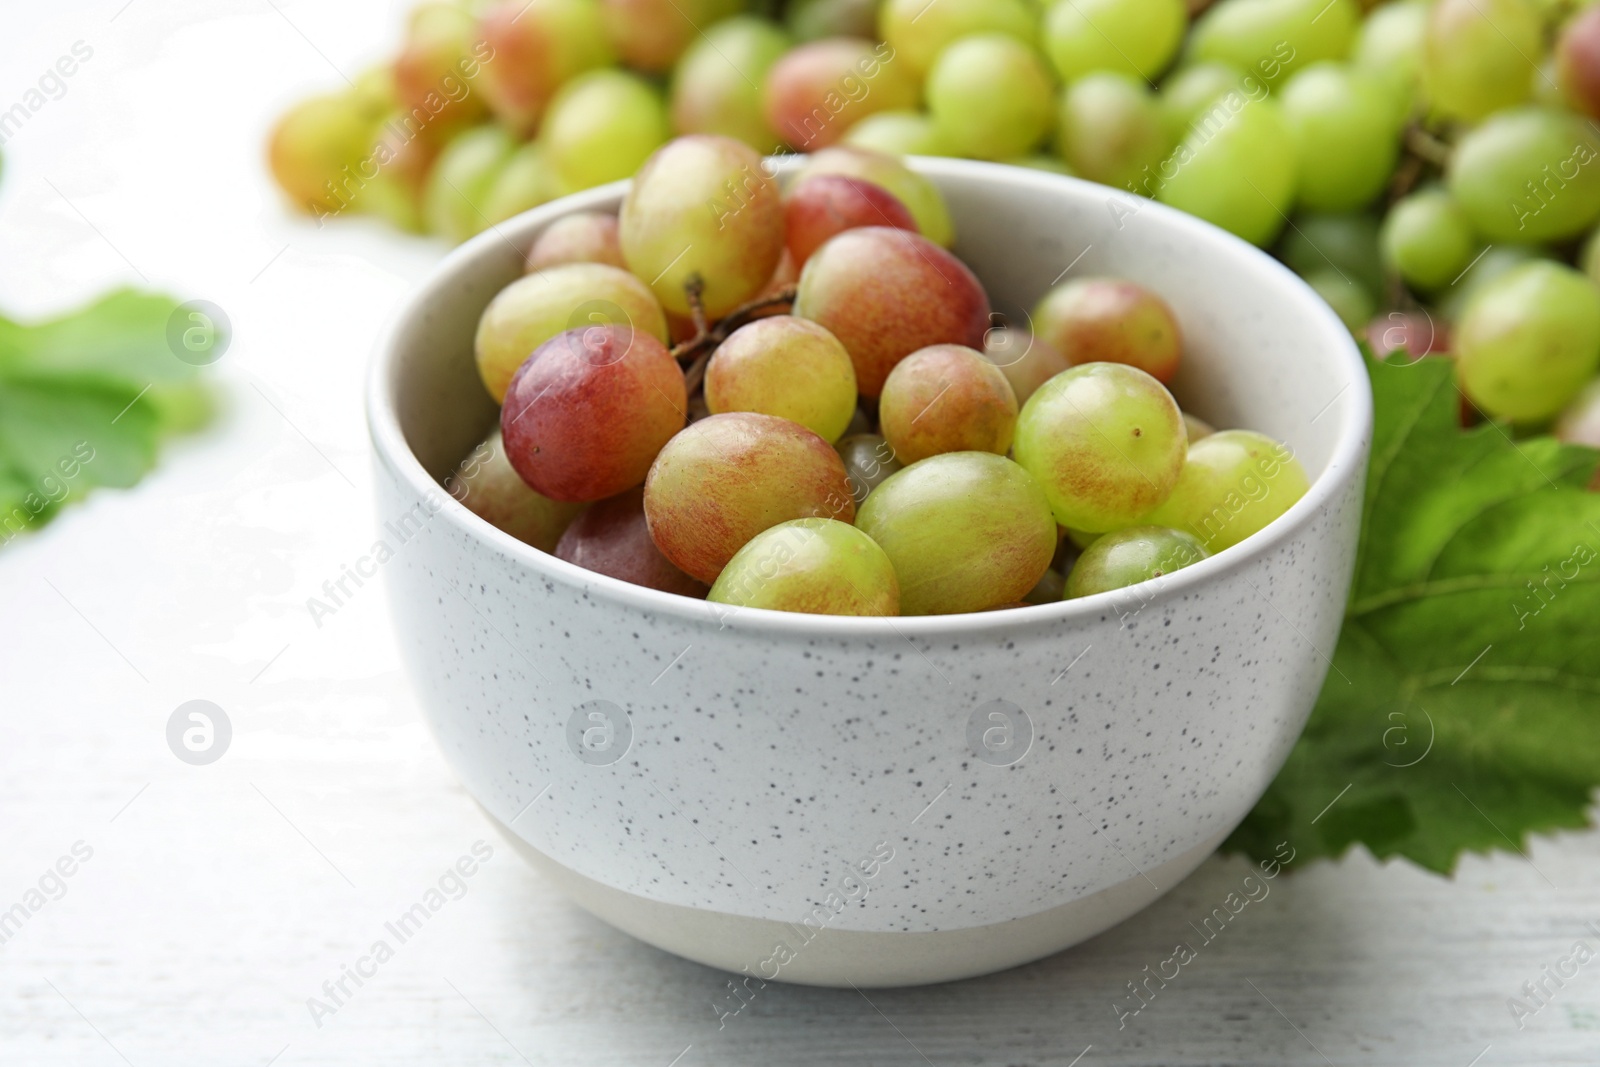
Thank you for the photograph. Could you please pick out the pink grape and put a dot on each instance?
(1027, 360)
(946, 398)
(584, 237)
(612, 538)
(538, 45)
(491, 489)
(1109, 320)
(827, 204)
(816, 91)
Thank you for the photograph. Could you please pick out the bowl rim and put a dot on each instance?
(390, 447)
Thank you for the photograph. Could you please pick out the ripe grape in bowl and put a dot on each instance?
(869, 799)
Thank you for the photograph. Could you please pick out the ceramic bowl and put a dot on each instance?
(883, 801)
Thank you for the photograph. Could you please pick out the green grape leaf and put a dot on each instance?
(1463, 712)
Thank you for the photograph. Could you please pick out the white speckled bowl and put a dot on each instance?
(833, 801)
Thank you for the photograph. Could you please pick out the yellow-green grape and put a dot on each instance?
(703, 209)
(458, 186)
(812, 20)
(1271, 39)
(1528, 341)
(920, 196)
(1239, 175)
(1110, 129)
(522, 184)
(966, 531)
(1194, 427)
(868, 460)
(821, 566)
(1346, 242)
(1389, 47)
(716, 86)
(1345, 135)
(536, 307)
(1494, 262)
(1354, 305)
(1476, 55)
(601, 127)
(492, 490)
(1528, 175)
(1136, 37)
(990, 96)
(1192, 91)
(1233, 484)
(538, 46)
(1105, 440)
(1128, 557)
(1427, 240)
(788, 367)
(1080, 539)
(315, 149)
(899, 133)
(919, 30)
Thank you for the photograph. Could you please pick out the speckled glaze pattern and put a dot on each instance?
(755, 763)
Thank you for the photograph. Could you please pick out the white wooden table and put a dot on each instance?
(217, 899)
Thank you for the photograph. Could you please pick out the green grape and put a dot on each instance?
(1476, 55)
(1105, 440)
(990, 96)
(821, 566)
(966, 531)
(919, 30)
(946, 398)
(716, 85)
(316, 147)
(1528, 340)
(1494, 262)
(538, 46)
(491, 488)
(1191, 91)
(601, 127)
(458, 186)
(868, 460)
(537, 307)
(1238, 173)
(1389, 47)
(1080, 539)
(1345, 136)
(703, 208)
(899, 133)
(1589, 257)
(1528, 175)
(788, 367)
(522, 184)
(1128, 557)
(1427, 239)
(1110, 128)
(1273, 38)
(920, 196)
(1345, 242)
(1194, 427)
(1233, 484)
(1135, 37)
(812, 20)
(1354, 305)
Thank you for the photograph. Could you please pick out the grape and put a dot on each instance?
(827, 204)
(1345, 135)
(523, 183)
(374, 91)
(537, 307)
(1111, 320)
(716, 86)
(966, 531)
(821, 566)
(990, 96)
(1079, 539)
(585, 416)
(728, 477)
(457, 193)
(539, 45)
(812, 20)
(788, 367)
(868, 460)
(1427, 239)
(1578, 61)
(1273, 38)
(1233, 484)
(317, 144)
(1476, 55)
(1344, 242)
(1389, 47)
(1495, 261)
(919, 30)
(920, 196)
(1128, 557)
(493, 490)
(1527, 175)
(1236, 169)
(583, 237)
(1194, 428)
(1026, 360)
(886, 293)
(1528, 340)
(1105, 440)
(1414, 333)
(1191, 91)
(612, 538)
(703, 207)
(1353, 303)
(438, 64)
(900, 133)
(650, 35)
(1589, 257)
(946, 398)
(816, 91)
(1047, 590)
(1579, 423)
(1111, 129)
(1135, 37)
(600, 127)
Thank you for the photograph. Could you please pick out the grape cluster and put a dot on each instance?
(838, 427)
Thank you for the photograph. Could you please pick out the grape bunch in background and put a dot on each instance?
(1431, 168)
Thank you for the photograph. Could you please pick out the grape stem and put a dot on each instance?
(707, 338)
(1423, 149)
